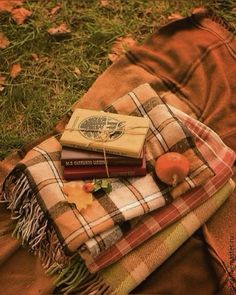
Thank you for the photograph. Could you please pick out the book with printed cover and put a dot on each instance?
(98, 131)
(91, 172)
(73, 157)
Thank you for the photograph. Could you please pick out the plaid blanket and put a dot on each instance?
(124, 275)
(219, 157)
(133, 268)
(34, 190)
(52, 228)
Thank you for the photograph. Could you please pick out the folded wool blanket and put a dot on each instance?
(153, 222)
(220, 159)
(124, 275)
(45, 219)
(34, 189)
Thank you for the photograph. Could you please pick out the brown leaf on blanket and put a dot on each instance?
(15, 70)
(62, 31)
(76, 195)
(2, 81)
(120, 46)
(8, 5)
(4, 42)
(20, 14)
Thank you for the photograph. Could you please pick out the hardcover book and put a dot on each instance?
(96, 130)
(72, 157)
(90, 172)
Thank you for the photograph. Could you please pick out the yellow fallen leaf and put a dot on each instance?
(77, 71)
(8, 5)
(20, 14)
(4, 42)
(55, 9)
(35, 56)
(60, 31)
(120, 46)
(104, 3)
(15, 70)
(2, 81)
(76, 195)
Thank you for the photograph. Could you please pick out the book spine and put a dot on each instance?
(99, 162)
(79, 175)
(100, 149)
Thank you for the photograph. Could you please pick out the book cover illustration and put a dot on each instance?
(96, 130)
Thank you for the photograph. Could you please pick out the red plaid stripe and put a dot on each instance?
(209, 144)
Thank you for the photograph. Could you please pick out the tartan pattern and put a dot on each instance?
(73, 227)
(219, 157)
(124, 275)
(42, 168)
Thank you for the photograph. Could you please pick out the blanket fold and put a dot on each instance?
(123, 276)
(136, 266)
(220, 159)
(34, 190)
(54, 229)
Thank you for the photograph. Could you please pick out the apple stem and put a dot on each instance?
(175, 180)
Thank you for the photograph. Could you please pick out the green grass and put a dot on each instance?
(35, 100)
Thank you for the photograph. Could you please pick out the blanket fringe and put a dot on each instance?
(32, 226)
(38, 234)
(76, 278)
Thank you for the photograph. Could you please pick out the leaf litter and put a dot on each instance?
(18, 13)
(2, 82)
(61, 31)
(55, 10)
(15, 70)
(4, 42)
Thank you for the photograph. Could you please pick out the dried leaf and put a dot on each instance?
(55, 9)
(104, 3)
(76, 195)
(35, 56)
(174, 16)
(15, 70)
(4, 42)
(8, 5)
(20, 14)
(120, 46)
(2, 81)
(60, 31)
(77, 72)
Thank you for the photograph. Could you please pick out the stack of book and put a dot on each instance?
(98, 145)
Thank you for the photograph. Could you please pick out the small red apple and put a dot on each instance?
(172, 168)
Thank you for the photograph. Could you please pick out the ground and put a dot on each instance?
(52, 51)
